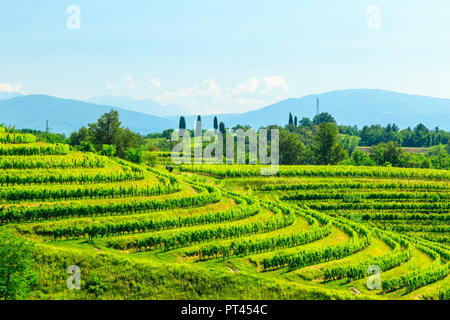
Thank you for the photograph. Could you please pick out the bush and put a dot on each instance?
(16, 273)
(108, 150)
(86, 146)
(360, 158)
(135, 155)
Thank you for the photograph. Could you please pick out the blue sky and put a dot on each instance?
(224, 56)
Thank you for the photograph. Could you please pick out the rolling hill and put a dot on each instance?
(65, 115)
(351, 107)
(147, 106)
(356, 107)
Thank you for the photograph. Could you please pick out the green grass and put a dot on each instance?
(179, 274)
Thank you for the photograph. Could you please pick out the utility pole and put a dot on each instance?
(317, 107)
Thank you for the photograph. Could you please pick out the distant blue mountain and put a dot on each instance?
(9, 95)
(351, 107)
(356, 107)
(66, 116)
(147, 106)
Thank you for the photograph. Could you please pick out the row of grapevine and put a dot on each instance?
(163, 177)
(33, 149)
(17, 138)
(385, 262)
(243, 248)
(66, 177)
(407, 227)
(339, 195)
(224, 171)
(443, 207)
(91, 192)
(316, 256)
(184, 238)
(52, 162)
(357, 185)
(26, 213)
(360, 239)
(388, 216)
(417, 279)
(111, 229)
(444, 294)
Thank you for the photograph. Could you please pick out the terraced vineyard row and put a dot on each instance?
(311, 231)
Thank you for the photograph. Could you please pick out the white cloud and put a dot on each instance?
(274, 83)
(7, 87)
(209, 97)
(131, 83)
(167, 97)
(156, 82)
(171, 97)
(250, 86)
(213, 89)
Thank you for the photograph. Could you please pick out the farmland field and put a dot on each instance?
(224, 232)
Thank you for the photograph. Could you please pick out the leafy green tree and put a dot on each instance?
(360, 158)
(350, 142)
(239, 126)
(292, 150)
(107, 130)
(387, 153)
(326, 148)
(77, 136)
(167, 134)
(323, 118)
(108, 150)
(426, 164)
(306, 122)
(86, 146)
(128, 139)
(16, 266)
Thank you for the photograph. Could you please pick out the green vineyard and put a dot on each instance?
(224, 232)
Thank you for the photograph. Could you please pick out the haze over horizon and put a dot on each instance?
(211, 57)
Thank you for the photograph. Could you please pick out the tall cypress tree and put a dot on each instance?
(222, 128)
(216, 124)
(295, 121)
(291, 120)
(182, 124)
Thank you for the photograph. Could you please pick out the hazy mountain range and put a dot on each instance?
(357, 107)
(352, 107)
(66, 115)
(147, 106)
(9, 95)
